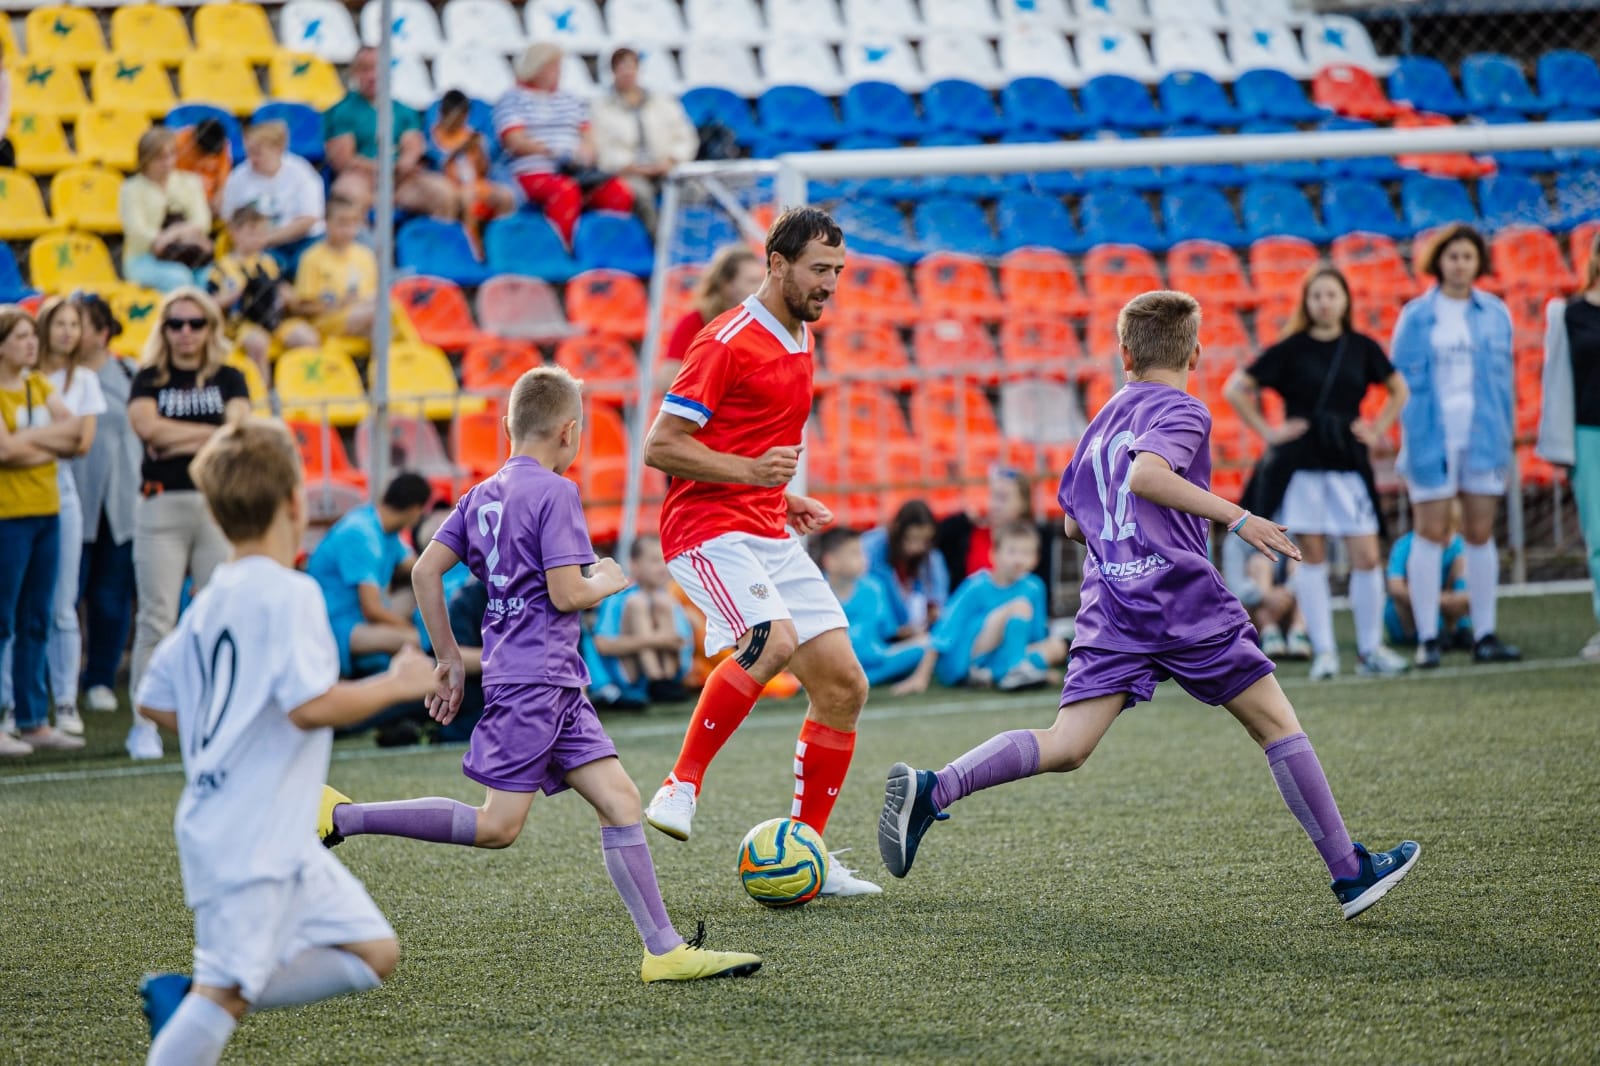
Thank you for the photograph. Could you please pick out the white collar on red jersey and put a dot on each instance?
(767, 321)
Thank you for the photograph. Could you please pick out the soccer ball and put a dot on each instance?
(783, 863)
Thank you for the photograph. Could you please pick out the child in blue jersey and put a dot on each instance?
(1455, 623)
(905, 664)
(996, 628)
(1137, 496)
(642, 639)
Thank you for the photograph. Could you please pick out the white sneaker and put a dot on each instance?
(12, 746)
(1325, 666)
(672, 809)
(1591, 650)
(1298, 646)
(8, 722)
(69, 721)
(102, 699)
(1383, 662)
(1273, 645)
(144, 740)
(842, 880)
(1024, 675)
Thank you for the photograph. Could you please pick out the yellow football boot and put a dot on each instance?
(691, 962)
(331, 798)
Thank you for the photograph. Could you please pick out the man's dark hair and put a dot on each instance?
(406, 491)
(453, 101)
(798, 227)
(1460, 231)
(211, 136)
(623, 53)
(831, 540)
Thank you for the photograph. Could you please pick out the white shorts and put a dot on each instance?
(243, 935)
(739, 580)
(1330, 503)
(1457, 479)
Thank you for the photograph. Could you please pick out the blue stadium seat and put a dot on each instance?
(1117, 216)
(1495, 82)
(702, 230)
(1274, 94)
(1299, 171)
(1514, 200)
(887, 188)
(1575, 157)
(952, 225)
(1427, 202)
(1426, 85)
(1352, 205)
(1030, 219)
(957, 106)
(1569, 79)
(192, 114)
(1204, 173)
(1200, 212)
(1041, 104)
(873, 227)
(12, 288)
(1577, 198)
(801, 112)
(880, 108)
(1112, 101)
(979, 186)
(1063, 182)
(428, 246)
(1367, 168)
(612, 240)
(305, 127)
(1524, 160)
(771, 143)
(707, 105)
(1190, 96)
(480, 116)
(1145, 179)
(1277, 208)
(526, 243)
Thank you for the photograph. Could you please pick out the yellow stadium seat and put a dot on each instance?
(136, 309)
(422, 384)
(253, 381)
(237, 29)
(314, 381)
(22, 212)
(302, 78)
(40, 142)
(133, 84)
(61, 262)
(109, 135)
(220, 79)
(65, 35)
(8, 41)
(48, 87)
(85, 198)
(150, 31)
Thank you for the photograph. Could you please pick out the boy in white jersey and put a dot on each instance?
(249, 679)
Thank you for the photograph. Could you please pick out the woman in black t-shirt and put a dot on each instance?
(1317, 475)
(182, 394)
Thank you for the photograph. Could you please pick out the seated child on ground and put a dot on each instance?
(1454, 623)
(872, 625)
(1262, 586)
(642, 638)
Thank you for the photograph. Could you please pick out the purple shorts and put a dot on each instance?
(1213, 671)
(531, 736)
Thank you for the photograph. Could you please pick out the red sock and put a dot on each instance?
(821, 759)
(729, 694)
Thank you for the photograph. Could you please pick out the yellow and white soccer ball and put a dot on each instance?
(783, 863)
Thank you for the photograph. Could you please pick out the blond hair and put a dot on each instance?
(538, 55)
(1160, 329)
(157, 351)
(272, 131)
(12, 316)
(723, 268)
(48, 311)
(542, 401)
(247, 472)
(1591, 272)
(152, 142)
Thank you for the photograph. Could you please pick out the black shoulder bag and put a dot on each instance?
(1329, 432)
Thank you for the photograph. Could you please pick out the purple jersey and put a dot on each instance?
(1148, 582)
(512, 530)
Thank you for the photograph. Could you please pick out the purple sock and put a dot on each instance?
(441, 821)
(997, 760)
(628, 862)
(1305, 789)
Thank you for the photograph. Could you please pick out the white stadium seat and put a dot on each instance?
(415, 27)
(1056, 14)
(1267, 46)
(794, 59)
(883, 59)
(817, 19)
(974, 16)
(728, 20)
(322, 27)
(645, 21)
(959, 54)
(723, 64)
(575, 77)
(485, 24)
(1121, 12)
(658, 71)
(1038, 52)
(575, 25)
(1335, 39)
(882, 18)
(482, 75)
(1109, 49)
(1191, 46)
(1263, 11)
(1202, 12)
(410, 82)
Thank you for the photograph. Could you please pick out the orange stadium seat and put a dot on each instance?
(48, 87)
(956, 345)
(1041, 280)
(491, 365)
(87, 198)
(219, 78)
(523, 308)
(238, 29)
(1096, 391)
(608, 301)
(1041, 345)
(132, 83)
(1278, 265)
(873, 288)
(22, 211)
(109, 135)
(1116, 273)
(61, 34)
(480, 443)
(1527, 316)
(40, 142)
(960, 285)
(1104, 347)
(1440, 164)
(1528, 257)
(606, 363)
(601, 470)
(1372, 265)
(325, 458)
(1581, 242)
(1272, 317)
(953, 414)
(1223, 338)
(1354, 91)
(1376, 317)
(678, 298)
(858, 349)
(438, 310)
(302, 78)
(1211, 273)
(859, 415)
(153, 32)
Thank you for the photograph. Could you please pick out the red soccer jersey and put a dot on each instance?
(747, 384)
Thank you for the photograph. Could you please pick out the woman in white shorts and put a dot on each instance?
(1453, 344)
(1316, 478)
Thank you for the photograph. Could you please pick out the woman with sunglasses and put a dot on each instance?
(184, 392)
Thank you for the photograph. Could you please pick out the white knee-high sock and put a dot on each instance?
(1311, 589)
(1425, 576)
(1483, 585)
(194, 1036)
(1366, 604)
(314, 975)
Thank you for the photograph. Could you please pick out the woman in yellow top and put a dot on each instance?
(166, 221)
(36, 430)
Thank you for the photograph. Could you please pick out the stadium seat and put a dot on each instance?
(874, 289)
(1190, 96)
(878, 108)
(1335, 39)
(957, 416)
(9, 45)
(608, 301)
(1293, 171)
(1033, 220)
(859, 349)
(1192, 47)
(1211, 272)
(1041, 280)
(304, 78)
(726, 20)
(414, 28)
(1514, 200)
(1035, 103)
(136, 309)
(326, 461)
(657, 22)
(1428, 202)
(1034, 344)
(958, 285)
(1367, 168)
(1569, 79)
(1278, 265)
(818, 20)
(882, 58)
(221, 79)
(724, 63)
(1031, 15)
(1204, 13)
(411, 83)
(422, 384)
(868, 17)
(526, 243)
(1109, 49)
(1425, 84)
(799, 112)
(483, 26)
(22, 210)
(1494, 82)
(238, 29)
(1229, 174)
(1529, 257)
(1227, 345)
(710, 105)
(522, 308)
(427, 245)
(962, 107)
(69, 36)
(1200, 212)
(152, 32)
(1577, 198)
(1273, 94)
(305, 126)
(1376, 316)
(85, 198)
(863, 416)
(317, 384)
(133, 84)
(1119, 217)
(1096, 13)
(957, 55)
(576, 25)
(1115, 101)
(491, 365)
(478, 442)
(954, 225)
(40, 143)
(322, 27)
(1039, 52)
(971, 16)
(802, 60)
(1530, 160)
(255, 386)
(1372, 265)
(1116, 273)
(1353, 91)
(872, 227)
(1580, 243)
(194, 114)
(1277, 208)
(481, 75)
(954, 346)
(1351, 206)
(1260, 44)
(614, 241)
(606, 363)
(12, 288)
(438, 311)
(1439, 164)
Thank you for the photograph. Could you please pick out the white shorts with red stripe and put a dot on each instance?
(739, 580)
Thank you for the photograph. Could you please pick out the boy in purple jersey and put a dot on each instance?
(1137, 496)
(522, 534)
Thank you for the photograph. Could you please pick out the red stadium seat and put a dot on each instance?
(1582, 241)
(956, 414)
(956, 285)
(1376, 318)
(1440, 164)
(873, 289)
(492, 365)
(480, 442)
(1354, 91)
(325, 457)
(439, 311)
(1223, 338)
(956, 345)
(608, 301)
(1528, 257)
(1096, 391)
(1116, 273)
(679, 293)
(1279, 265)
(1272, 318)
(1042, 345)
(1211, 273)
(1041, 280)
(1104, 348)
(1372, 265)
(863, 416)
(857, 349)
(608, 366)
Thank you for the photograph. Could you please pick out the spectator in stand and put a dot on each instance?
(350, 136)
(1569, 423)
(1453, 344)
(996, 628)
(359, 562)
(642, 638)
(108, 487)
(8, 155)
(250, 290)
(458, 152)
(166, 222)
(967, 541)
(36, 432)
(1265, 591)
(183, 393)
(283, 187)
(337, 283)
(454, 579)
(906, 664)
(902, 558)
(546, 133)
(640, 135)
(1316, 479)
(204, 151)
(733, 274)
(1398, 615)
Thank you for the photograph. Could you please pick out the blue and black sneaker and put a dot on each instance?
(161, 993)
(1378, 874)
(908, 811)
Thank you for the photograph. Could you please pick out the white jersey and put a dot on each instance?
(1452, 370)
(253, 646)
